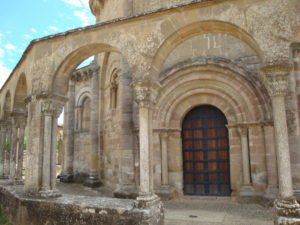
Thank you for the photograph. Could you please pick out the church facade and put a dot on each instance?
(183, 97)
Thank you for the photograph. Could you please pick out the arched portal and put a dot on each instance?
(205, 150)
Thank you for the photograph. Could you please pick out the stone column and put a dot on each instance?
(7, 149)
(13, 151)
(51, 110)
(144, 98)
(43, 111)
(276, 80)
(69, 122)
(272, 189)
(93, 180)
(246, 188)
(2, 148)
(20, 156)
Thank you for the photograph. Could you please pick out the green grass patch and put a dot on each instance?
(3, 219)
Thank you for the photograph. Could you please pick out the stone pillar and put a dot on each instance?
(126, 187)
(13, 151)
(43, 111)
(246, 187)
(7, 149)
(165, 191)
(276, 80)
(51, 113)
(272, 189)
(93, 180)
(144, 98)
(20, 156)
(69, 123)
(2, 148)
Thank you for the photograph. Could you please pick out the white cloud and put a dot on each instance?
(78, 3)
(83, 16)
(53, 28)
(4, 73)
(33, 30)
(1, 53)
(28, 36)
(10, 47)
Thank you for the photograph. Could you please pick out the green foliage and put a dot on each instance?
(3, 219)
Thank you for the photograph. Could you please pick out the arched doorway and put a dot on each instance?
(206, 169)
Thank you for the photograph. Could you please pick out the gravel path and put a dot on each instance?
(216, 212)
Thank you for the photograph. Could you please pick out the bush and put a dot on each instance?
(3, 219)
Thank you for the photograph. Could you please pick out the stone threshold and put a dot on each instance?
(68, 209)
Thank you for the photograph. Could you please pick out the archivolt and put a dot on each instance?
(242, 99)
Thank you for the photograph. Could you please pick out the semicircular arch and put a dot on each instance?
(196, 29)
(68, 65)
(235, 96)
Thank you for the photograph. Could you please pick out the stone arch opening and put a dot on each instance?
(20, 94)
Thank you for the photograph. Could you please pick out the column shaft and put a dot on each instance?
(20, 152)
(13, 151)
(2, 150)
(245, 156)
(46, 177)
(164, 158)
(144, 151)
(282, 147)
(67, 175)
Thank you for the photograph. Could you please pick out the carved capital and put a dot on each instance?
(52, 108)
(142, 94)
(275, 78)
(145, 92)
(243, 130)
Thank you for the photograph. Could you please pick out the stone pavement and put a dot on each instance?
(216, 212)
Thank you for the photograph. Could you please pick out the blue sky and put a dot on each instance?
(24, 20)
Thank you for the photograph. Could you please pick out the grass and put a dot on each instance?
(3, 219)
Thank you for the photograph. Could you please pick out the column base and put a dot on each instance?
(50, 194)
(247, 190)
(66, 178)
(166, 192)
(92, 182)
(287, 212)
(151, 209)
(127, 192)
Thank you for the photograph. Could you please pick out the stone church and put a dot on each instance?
(183, 97)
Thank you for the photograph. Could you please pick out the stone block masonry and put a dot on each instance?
(73, 210)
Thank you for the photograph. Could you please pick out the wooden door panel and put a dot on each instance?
(205, 152)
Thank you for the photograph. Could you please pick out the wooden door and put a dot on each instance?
(205, 152)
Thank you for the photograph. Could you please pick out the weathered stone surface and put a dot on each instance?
(73, 210)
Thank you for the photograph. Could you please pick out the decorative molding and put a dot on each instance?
(287, 208)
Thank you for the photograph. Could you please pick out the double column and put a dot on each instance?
(93, 180)
(276, 81)
(43, 112)
(17, 146)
